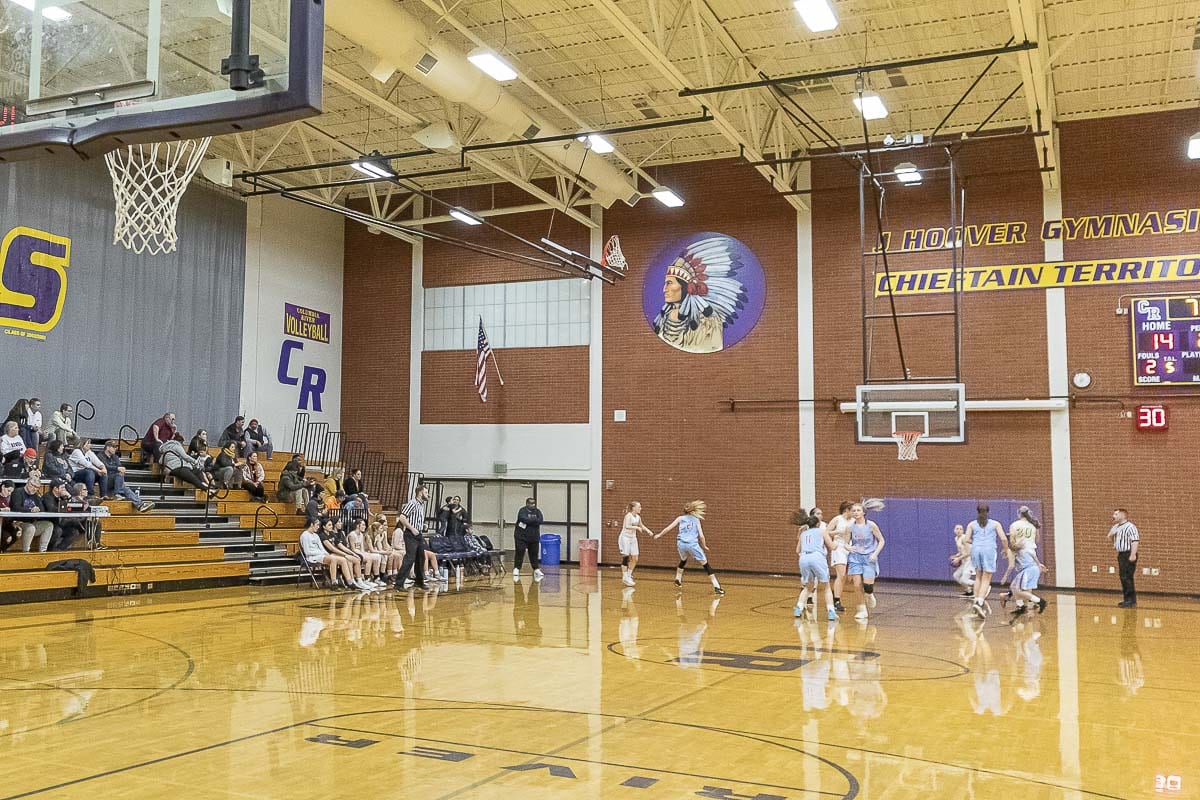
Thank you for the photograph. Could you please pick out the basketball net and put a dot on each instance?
(148, 182)
(612, 256)
(907, 442)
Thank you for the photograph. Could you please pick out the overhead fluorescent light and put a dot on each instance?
(817, 15)
(907, 173)
(870, 105)
(374, 165)
(598, 143)
(52, 13)
(491, 64)
(462, 215)
(1193, 151)
(668, 198)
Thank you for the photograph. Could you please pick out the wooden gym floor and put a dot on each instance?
(578, 688)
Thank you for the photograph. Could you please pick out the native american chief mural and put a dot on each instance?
(704, 293)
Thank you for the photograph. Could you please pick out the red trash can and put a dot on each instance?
(589, 554)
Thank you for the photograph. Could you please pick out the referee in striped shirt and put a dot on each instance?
(1124, 535)
(412, 518)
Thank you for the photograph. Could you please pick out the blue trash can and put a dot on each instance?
(551, 547)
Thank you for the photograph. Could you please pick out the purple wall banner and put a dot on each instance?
(305, 323)
(704, 293)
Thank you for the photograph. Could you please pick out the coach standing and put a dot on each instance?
(1125, 541)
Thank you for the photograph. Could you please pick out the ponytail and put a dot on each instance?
(1027, 515)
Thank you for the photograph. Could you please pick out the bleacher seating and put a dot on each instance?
(178, 545)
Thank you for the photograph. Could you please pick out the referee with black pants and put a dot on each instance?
(414, 543)
(1125, 541)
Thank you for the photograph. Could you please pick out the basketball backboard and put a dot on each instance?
(938, 411)
(91, 75)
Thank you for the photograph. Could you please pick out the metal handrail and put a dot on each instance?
(91, 413)
(254, 535)
(137, 437)
(219, 494)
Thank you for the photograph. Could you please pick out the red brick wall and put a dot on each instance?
(1134, 163)
(375, 340)
(680, 443)
(1007, 455)
(541, 385)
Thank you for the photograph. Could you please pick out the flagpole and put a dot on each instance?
(497, 366)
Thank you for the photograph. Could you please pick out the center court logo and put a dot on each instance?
(33, 281)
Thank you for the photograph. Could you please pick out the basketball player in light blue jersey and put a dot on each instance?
(690, 542)
(866, 543)
(813, 549)
(982, 533)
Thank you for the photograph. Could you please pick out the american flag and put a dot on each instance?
(483, 352)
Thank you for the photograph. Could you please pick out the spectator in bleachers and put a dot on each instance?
(71, 528)
(85, 467)
(457, 521)
(60, 427)
(29, 461)
(113, 484)
(316, 552)
(54, 501)
(257, 440)
(179, 464)
(291, 484)
(12, 449)
(28, 499)
(226, 470)
(54, 462)
(354, 508)
(353, 484)
(333, 502)
(28, 416)
(162, 430)
(254, 478)
(198, 446)
(333, 482)
(8, 528)
(315, 507)
(233, 433)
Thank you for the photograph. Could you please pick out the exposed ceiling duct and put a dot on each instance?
(396, 39)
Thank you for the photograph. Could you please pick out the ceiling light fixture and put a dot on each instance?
(52, 13)
(374, 165)
(908, 174)
(491, 64)
(870, 105)
(1193, 151)
(667, 197)
(817, 15)
(597, 142)
(462, 215)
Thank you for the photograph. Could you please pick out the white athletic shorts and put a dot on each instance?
(840, 554)
(627, 543)
(317, 560)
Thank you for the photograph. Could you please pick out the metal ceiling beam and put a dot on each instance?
(658, 59)
(861, 70)
(1028, 19)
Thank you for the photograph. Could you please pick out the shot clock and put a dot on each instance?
(1166, 340)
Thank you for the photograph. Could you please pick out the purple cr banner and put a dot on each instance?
(305, 323)
(704, 293)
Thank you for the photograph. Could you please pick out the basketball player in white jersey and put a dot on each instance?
(1029, 567)
(839, 532)
(627, 542)
(964, 573)
(1027, 530)
(812, 548)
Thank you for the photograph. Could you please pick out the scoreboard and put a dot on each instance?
(1166, 340)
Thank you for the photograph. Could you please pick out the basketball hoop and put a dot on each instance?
(907, 442)
(148, 183)
(612, 256)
